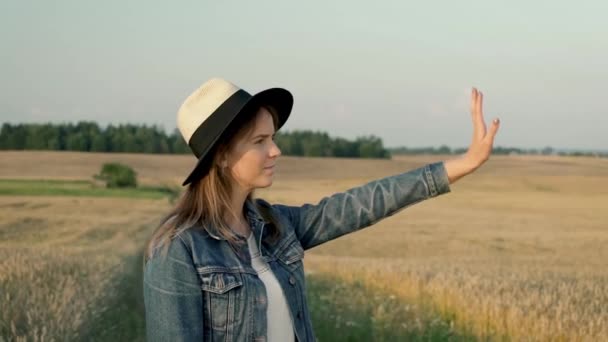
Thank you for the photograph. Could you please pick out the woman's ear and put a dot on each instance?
(221, 159)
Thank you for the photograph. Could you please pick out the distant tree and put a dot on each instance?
(177, 144)
(547, 151)
(76, 142)
(371, 147)
(6, 137)
(20, 133)
(117, 175)
(344, 148)
(443, 149)
(99, 143)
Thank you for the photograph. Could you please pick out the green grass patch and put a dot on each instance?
(19, 187)
(123, 317)
(340, 312)
(351, 312)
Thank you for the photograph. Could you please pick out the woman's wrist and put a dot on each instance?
(459, 167)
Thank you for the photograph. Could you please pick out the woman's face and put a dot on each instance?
(253, 156)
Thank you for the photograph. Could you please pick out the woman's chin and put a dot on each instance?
(265, 183)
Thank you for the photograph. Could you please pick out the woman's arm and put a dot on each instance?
(173, 297)
(360, 207)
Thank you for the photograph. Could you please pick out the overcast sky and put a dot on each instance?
(400, 70)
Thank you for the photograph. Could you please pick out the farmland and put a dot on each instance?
(516, 251)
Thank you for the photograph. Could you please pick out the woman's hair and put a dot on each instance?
(206, 200)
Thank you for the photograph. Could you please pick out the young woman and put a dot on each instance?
(223, 266)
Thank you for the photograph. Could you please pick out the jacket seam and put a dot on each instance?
(430, 181)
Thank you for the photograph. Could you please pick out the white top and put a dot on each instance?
(279, 321)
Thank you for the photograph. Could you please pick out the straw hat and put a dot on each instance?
(209, 110)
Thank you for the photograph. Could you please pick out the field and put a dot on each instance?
(515, 252)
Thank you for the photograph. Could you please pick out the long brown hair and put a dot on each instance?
(207, 199)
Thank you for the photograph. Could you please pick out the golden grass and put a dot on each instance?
(516, 250)
(59, 256)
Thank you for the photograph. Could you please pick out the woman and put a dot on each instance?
(225, 267)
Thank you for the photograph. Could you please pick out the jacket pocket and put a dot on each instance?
(223, 300)
(292, 255)
(220, 282)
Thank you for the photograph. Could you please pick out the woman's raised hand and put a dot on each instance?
(481, 146)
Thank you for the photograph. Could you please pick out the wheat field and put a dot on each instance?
(515, 252)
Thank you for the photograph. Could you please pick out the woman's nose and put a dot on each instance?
(275, 151)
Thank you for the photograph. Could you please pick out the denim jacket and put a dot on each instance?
(202, 291)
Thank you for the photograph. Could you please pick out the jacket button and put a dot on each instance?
(292, 280)
(299, 315)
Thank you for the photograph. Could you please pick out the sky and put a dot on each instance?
(399, 70)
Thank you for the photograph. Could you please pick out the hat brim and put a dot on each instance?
(279, 98)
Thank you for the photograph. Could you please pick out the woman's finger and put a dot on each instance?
(493, 130)
(473, 100)
(474, 113)
(479, 126)
(480, 115)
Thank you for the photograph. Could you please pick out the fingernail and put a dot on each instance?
(497, 120)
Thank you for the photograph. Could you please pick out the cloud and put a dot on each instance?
(35, 111)
(340, 111)
(455, 103)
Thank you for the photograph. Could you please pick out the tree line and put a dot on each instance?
(90, 137)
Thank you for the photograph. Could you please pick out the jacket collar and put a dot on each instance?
(252, 214)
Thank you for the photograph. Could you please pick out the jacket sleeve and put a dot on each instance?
(173, 296)
(360, 207)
